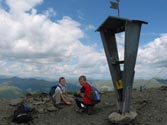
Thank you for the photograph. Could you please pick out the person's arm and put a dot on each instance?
(67, 94)
(62, 96)
(78, 92)
(64, 100)
(82, 90)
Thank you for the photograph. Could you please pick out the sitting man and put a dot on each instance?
(82, 97)
(61, 97)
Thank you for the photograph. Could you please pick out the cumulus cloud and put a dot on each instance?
(33, 45)
(152, 58)
(50, 12)
(22, 5)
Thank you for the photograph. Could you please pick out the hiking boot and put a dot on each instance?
(59, 106)
(81, 110)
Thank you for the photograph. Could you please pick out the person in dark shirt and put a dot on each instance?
(82, 97)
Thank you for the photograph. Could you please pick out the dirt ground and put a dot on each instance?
(151, 106)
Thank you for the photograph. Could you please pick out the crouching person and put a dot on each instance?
(59, 94)
(82, 97)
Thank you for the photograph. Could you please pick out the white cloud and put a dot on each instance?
(33, 45)
(90, 27)
(22, 5)
(50, 12)
(80, 14)
(152, 59)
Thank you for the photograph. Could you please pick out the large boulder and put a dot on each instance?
(122, 119)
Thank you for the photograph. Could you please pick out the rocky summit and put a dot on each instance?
(150, 105)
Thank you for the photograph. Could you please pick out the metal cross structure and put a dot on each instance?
(122, 80)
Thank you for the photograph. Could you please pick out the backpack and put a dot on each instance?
(52, 90)
(22, 114)
(95, 96)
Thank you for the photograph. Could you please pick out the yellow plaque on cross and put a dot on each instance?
(119, 84)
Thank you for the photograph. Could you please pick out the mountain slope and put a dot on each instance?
(8, 91)
(29, 85)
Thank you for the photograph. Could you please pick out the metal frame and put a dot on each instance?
(122, 80)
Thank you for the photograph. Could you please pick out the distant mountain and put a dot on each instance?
(29, 85)
(15, 86)
(3, 76)
(103, 85)
(26, 84)
(107, 85)
(164, 81)
(7, 91)
(152, 83)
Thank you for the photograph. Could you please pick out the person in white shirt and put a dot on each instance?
(61, 96)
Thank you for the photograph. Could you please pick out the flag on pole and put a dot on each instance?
(114, 5)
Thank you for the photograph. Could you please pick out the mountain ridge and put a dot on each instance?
(26, 85)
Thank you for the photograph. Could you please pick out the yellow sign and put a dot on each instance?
(119, 84)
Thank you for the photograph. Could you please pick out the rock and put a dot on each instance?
(163, 88)
(41, 110)
(118, 118)
(38, 102)
(14, 102)
(51, 109)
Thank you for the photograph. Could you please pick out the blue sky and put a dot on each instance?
(53, 38)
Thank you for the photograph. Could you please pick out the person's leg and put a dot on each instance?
(78, 102)
(68, 98)
(78, 99)
(57, 99)
(89, 109)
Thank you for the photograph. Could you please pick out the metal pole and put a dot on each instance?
(118, 8)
